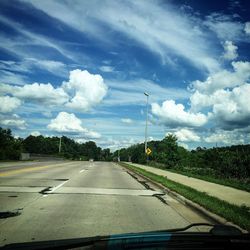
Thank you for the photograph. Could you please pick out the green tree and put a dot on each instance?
(10, 148)
(169, 151)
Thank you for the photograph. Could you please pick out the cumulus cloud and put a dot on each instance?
(8, 104)
(82, 92)
(226, 137)
(13, 121)
(41, 93)
(186, 135)
(87, 89)
(230, 51)
(65, 122)
(36, 92)
(247, 28)
(174, 115)
(126, 120)
(224, 78)
(69, 123)
(227, 94)
(234, 109)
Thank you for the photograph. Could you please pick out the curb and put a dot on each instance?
(199, 209)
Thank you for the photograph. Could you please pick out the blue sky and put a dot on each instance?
(80, 68)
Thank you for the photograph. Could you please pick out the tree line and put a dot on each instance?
(226, 162)
(11, 148)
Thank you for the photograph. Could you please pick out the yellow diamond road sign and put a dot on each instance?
(148, 151)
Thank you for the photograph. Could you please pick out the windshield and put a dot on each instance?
(123, 117)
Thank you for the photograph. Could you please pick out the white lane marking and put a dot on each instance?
(45, 195)
(56, 187)
(82, 170)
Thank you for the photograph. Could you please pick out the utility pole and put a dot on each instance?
(60, 145)
(146, 127)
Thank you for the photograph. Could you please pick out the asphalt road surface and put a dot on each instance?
(66, 199)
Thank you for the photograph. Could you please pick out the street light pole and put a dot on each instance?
(146, 127)
(118, 158)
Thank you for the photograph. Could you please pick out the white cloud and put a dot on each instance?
(82, 92)
(127, 120)
(225, 27)
(12, 78)
(107, 69)
(224, 78)
(247, 28)
(69, 123)
(65, 122)
(227, 95)
(165, 31)
(16, 46)
(233, 109)
(8, 104)
(35, 133)
(13, 66)
(230, 51)
(225, 137)
(13, 121)
(92, 135)
(88, 90)
(41, 93)
(115, 144)
(174, 115)
(5, 88)
(54, 67)
(184, 145)
(186, 135)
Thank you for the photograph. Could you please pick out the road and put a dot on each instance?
(69, 199)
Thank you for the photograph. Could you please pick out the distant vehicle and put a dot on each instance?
(91, 159)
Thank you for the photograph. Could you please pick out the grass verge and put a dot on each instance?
(222, 181)
(240, 215)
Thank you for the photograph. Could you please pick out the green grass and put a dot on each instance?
(240, 215)
(238, 184)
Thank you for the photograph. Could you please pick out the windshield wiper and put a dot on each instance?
(215, 230)
(153, 238)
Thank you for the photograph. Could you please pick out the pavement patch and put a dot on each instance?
(45, 190)
(104, 191)
(7, 214)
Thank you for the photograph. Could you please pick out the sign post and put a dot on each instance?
(148, 152)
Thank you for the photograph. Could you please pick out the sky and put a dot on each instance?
(80, 69)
